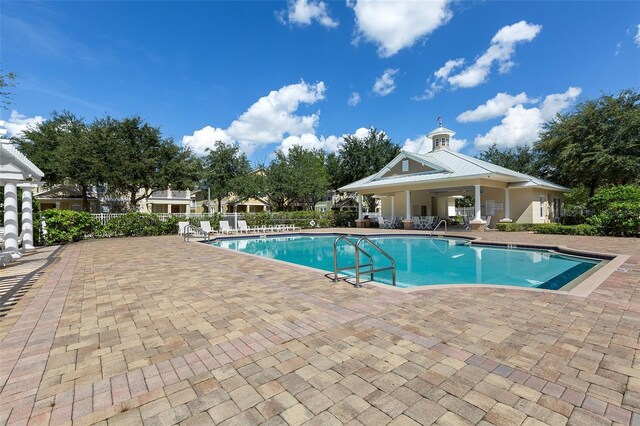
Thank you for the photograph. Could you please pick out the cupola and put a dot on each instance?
(441, 136)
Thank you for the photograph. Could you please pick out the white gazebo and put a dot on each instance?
(16, 171)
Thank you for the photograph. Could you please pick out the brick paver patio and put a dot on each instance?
(157, 331)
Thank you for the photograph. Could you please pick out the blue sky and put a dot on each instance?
(268, 75)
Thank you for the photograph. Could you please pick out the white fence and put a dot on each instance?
(230, 217)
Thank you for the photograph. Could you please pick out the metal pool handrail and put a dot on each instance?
(357, 265)
(436, 227)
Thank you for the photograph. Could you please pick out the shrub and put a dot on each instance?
(302, 218)
(139, 225)
(515, 227)
(605, 197)
(554, 228)
(65, 226)
(549, 228)
(620, 219)
(344, 218)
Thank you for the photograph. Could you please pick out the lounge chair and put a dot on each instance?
(206, 228)
(181, 227)
(243, 227)
(225, 228)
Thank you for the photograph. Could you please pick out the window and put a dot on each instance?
(542, 206)
(405, 165)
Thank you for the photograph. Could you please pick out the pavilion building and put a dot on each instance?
(427, 184)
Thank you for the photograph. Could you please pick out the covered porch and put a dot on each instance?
(493, 202)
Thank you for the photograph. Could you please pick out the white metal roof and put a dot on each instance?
(450, 166)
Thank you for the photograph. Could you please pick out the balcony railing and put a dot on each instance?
(170, 194)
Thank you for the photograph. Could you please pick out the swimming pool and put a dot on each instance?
(424, 261)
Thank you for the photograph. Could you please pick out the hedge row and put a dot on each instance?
(550, 228)
(65, 226)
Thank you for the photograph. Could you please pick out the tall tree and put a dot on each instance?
(67, 151)
(521, 159)
(297, 177)
(596, 144)
(308, 175)
(225, 166)
(144, 161)
(362, 157)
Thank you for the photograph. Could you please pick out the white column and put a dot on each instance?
(27, 218)
(360, 206)
(11, 219)
(507, 210)
(408, 204)
(478, 216)
(393, 205)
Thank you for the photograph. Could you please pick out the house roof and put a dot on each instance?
(447, 165)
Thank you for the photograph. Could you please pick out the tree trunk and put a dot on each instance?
(85, 200)
(133, 201)
(219, 205)
(592, 186)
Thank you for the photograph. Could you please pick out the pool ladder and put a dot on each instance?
(359, 250)
(436, 227)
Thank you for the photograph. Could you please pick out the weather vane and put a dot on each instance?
(439, 120)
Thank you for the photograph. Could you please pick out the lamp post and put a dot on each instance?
(209, 200)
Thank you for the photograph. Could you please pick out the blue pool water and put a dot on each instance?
(424, 261)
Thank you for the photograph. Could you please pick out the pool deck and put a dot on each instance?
(158, 331)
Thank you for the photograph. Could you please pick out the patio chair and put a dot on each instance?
(387, 223)
(243, 227)
(397, 222)
(181, 227)
(417, 222)
(225, 228)
(465, 222)
(488, 224)
(205, 226)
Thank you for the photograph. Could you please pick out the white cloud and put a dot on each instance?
(385, 84)
(521, 126)
(205, 138)
(267, 121)
(493, 108)
(501, 51)
(395, 25)
(272, 117)
(304, 12)
(636, 39)
(354, 99)
(361, 133)
(311, 141)
(423, 144)
(18, 123)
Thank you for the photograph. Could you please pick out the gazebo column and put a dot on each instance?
(407, 223)
(360, 220)
(11, 219)
(507, 210)
(27, 216)
(477, 224)
(393, 206)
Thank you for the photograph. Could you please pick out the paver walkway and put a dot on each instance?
(157, 331)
